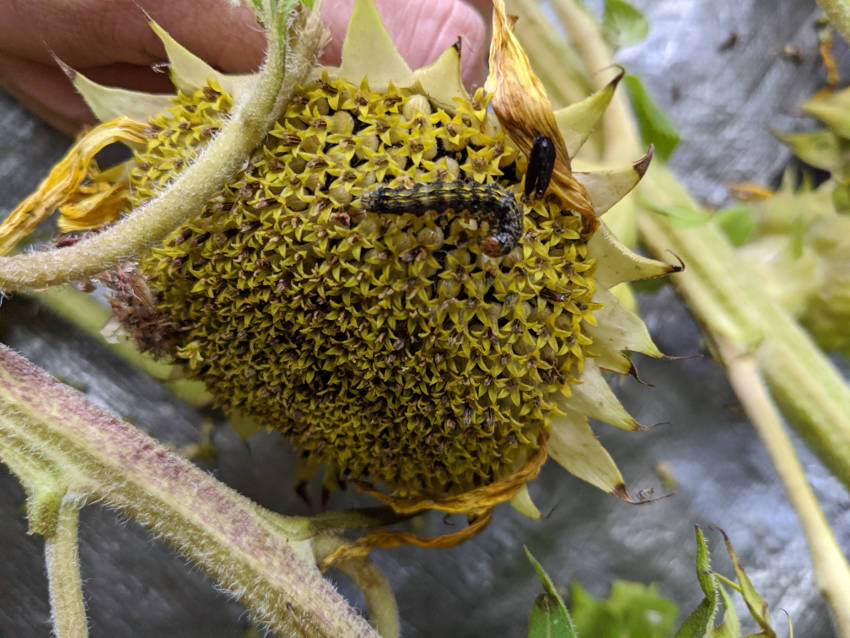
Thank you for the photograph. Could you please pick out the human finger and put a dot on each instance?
(420, 30)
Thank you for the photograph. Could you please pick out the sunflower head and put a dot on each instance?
(408, 281)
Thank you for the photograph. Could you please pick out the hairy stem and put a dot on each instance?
(341, 520)
(215, 166)
(63, 571)
(831, 571)
(47, 429)
(380, 600)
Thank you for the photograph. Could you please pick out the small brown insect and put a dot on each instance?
(541, 163)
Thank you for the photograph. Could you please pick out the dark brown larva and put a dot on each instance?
(485, 202)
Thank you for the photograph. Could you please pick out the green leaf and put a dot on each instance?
(755, 603)
(700, 624)
(549, 616)
(705, 576)
(655, 127)
(729, 627)
(549, 619)
(632, 610)
(622, 24)
(644, 611)
(737, 222)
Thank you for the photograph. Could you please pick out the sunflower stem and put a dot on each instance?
(68, 611)
(57, 443)
(52, 438)
(621, 140)
(380, 600)
(285, 67)
(804, 382)
(831, 571)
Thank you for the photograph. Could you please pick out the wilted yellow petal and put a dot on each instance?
(99, 204)
(63, 184)
(389, 538)
(750, 191)
(524, 111)
(480, 499)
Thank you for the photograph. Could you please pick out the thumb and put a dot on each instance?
(421, 31)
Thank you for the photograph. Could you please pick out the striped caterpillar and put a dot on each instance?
(485, 202)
